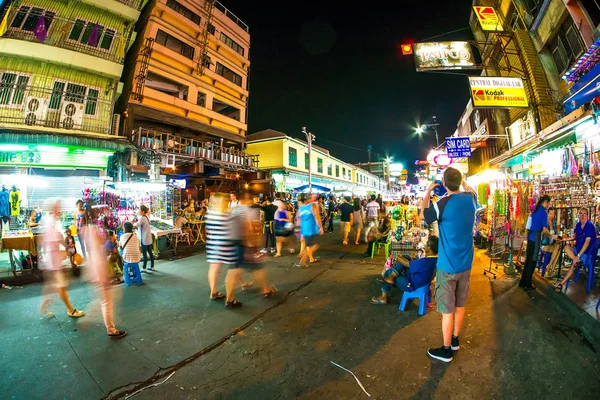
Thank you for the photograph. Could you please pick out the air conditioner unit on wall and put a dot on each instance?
(71, 115)
(35, 110)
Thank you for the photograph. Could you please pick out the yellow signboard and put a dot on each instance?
(498, 92)
(488, 19)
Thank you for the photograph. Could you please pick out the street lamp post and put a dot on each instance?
(433, 126)
(309, 139)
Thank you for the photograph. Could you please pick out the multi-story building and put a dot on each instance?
(288, 161)
(60, 66)
(186, 89)
(556, 41)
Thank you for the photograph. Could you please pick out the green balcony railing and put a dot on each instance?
(67, 106)
(104, 37)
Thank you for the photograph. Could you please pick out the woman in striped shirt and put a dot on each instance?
(221, 244)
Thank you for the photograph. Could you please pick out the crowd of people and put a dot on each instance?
(242, 230)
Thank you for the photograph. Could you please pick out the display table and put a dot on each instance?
(160, 228)
(25, 242)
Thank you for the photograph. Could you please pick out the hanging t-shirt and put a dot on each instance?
(15, 203)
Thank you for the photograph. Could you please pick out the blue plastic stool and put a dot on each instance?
(544, 260)
(132, 274)
(422, 293)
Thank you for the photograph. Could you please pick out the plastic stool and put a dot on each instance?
(422, 293)
(379, 245)
(132, 274)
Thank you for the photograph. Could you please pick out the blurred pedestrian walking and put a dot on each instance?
(51, 262)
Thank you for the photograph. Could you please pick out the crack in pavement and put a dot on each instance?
(125, 390)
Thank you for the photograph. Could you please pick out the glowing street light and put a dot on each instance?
(420, 130)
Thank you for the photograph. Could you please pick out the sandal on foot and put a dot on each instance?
(378, 302)
(277, 255)
(272, 290)
(117, 335)
(558, 288)
(247, 285)
(233, 304)
(316, 260)
(76, 313)
(217, 296)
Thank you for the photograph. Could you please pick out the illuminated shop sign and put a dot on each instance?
(488, 19)
(82, 159)
(498, 92)
(443, 55)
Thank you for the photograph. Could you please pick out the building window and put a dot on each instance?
(175, 44)
(306, 161)
(12, 88)
(167, 86)
(226, 109)
(337, 171)
(592, 10)
(201, 99)
(567, 46)
(74, 93)
(27, 18)
(320, 165)
(206, 61)
(533, 8)
(211, 29)
(228, 74)
(82, 30)
(183, 10)
(229, 42)
(344, 173)
(329, 169)
(293, 157)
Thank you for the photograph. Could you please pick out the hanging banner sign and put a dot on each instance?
(488, 19)
(433, 56)
(498, 92)
(48, 159)
(458, 147)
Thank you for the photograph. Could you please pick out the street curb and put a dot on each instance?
(582, 321)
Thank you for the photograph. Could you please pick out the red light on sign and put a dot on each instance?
(407, 49)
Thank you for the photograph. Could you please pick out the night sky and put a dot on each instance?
(337, 69)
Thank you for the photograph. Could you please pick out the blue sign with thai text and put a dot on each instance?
(458, 147)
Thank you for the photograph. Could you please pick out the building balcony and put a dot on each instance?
(190, 149)
(65, 108)
(100, 38)
(232, 17)
(136, 4)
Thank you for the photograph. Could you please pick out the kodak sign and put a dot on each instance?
(488, 19)
(498, 92)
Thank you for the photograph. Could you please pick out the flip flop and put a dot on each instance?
(377, 302)
(217, 296)
(233, 304)
(270, 292)
(558, 288)
(248, 285)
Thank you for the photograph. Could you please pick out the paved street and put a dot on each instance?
(513, 346)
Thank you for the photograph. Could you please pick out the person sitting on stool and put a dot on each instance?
(409, 275)
(585, 238)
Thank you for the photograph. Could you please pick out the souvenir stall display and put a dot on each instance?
(568, 195)
(117, 203)
(406, 237)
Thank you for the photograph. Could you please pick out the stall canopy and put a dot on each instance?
(315, 187)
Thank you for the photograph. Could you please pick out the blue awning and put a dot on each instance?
(584, 90)
(315, 187)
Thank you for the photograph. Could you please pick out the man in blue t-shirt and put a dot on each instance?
(409, 275)
(585, 240)
(455, 215)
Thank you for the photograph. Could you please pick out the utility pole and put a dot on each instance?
(309, 139)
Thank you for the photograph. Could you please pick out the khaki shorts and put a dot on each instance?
(451, 290)
(345, 226)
